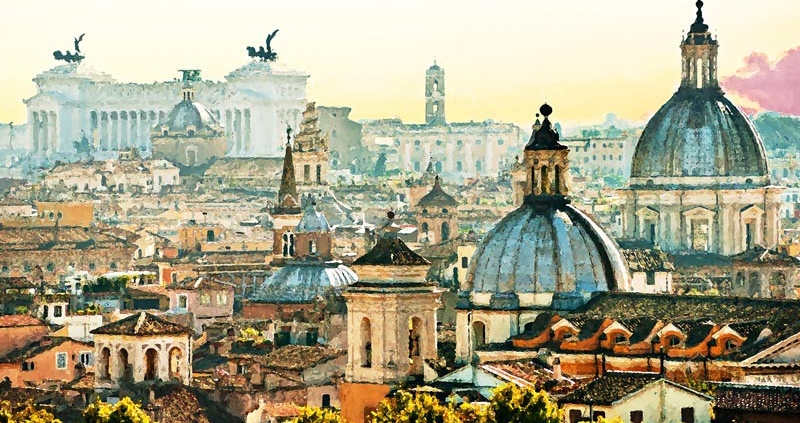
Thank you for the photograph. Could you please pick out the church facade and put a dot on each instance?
(254, 104)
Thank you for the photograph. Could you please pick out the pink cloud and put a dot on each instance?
(772, 87)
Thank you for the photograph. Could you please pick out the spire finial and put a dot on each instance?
(288, 134)
(699, 26)
(434, 61)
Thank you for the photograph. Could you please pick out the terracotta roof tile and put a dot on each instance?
(10, 321)
(391, 252)
(758, 398)
(610, 388)
(142, 324)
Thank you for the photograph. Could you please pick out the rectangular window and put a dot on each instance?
(61, 361)
(183, 301)
(27, 366)
(687, 415)
(87, 359)
(205, 299)
(222, 299)
(57, 311)
(637, 416)
(575, 416)
(651, 278)
(464, 262)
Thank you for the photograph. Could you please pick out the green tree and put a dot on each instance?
(512, 404)
(405, 407)
(318, 415)
(24, 413)
(124, 411)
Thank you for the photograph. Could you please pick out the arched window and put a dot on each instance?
(445, 231)
(438, 167)
(414, 331)
(151, 364)
(124, 371)
(557, 182)
(754, 290)
(425, 227)
(175, 362)
(366, 343)
(306, 173)
(459, 166)
(105, 363)
(312, 247)
(545, 178)
(319, 174)
(210, 235)
(673, 341)
(478, 166)
(435, 85)
(478, 334)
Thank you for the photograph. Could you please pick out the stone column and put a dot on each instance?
(114, 137)
(247, 131)
(124, 123)
(237, 128)
(229, 132)
(53, 132)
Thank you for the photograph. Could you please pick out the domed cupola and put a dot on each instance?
(699, 136)
(546, 253)
(189, 117)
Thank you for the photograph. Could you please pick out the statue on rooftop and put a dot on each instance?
(264, 53)
(70, 57)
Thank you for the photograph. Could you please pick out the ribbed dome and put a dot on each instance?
(547, 248)
(303, 282)
(189, 113)
(699, 133)
(313, 220)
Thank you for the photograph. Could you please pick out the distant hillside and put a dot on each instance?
(778, 131)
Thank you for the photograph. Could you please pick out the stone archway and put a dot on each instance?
(105, 363)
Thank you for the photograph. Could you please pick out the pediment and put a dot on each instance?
(647, 213)
(699, 212)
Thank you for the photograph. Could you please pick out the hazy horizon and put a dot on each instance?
(502, 60)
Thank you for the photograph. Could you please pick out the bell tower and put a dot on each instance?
(546, 162)
(434, 95)
(699, 54)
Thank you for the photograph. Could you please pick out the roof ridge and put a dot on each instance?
(140, 321)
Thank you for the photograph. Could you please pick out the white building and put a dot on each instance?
(255, 103)
(455, 150)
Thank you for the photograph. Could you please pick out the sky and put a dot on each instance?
(502, 58)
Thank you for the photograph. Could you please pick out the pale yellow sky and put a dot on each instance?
(502, 58)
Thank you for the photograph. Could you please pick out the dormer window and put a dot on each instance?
(730, 344)
(619, 339)
(674, 341)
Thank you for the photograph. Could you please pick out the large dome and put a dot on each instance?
(301, 282)
(543, 249)
(699, 133)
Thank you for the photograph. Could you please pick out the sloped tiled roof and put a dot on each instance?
(610, 388)
(391, 252)
(299, 357)
(647, 260)
(687, 312)
(437, 197)
(10, 321)
(142, 324)
(758, 398)
(759, 254)
(180, 403)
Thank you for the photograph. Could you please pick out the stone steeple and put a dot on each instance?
(288, 201)
(310, 137)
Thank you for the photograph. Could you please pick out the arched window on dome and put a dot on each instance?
(366, 343)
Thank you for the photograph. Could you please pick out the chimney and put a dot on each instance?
(557, 369)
